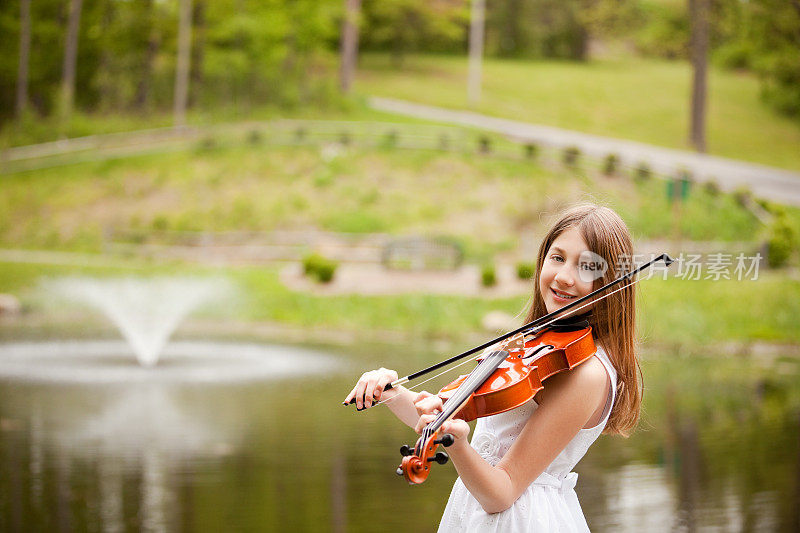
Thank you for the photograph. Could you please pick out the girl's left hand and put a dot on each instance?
(428, 406)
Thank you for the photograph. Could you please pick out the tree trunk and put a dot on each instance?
(142, 96)
(24, 55)
(198, 51)
(70, 60)
(698, 11)
(106, 78)
(182, 64)
(476, 30)
(349, 44)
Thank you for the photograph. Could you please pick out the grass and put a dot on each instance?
(680, 314)
(238, 186)
(646, 100)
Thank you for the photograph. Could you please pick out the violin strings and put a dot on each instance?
(413, 389)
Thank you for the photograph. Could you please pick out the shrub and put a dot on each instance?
(254, 137)
(488, 276)
(391, 139)
(531, 150)
(571, 154)
(610, 164)
(484, 145)
(780, 242)
(743, 196)
(525, 270)
(711, 187)
(642, 172)
(319, 267)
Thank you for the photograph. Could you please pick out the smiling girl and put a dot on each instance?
(516, 473)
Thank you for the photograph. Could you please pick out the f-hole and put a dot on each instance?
(539, 349)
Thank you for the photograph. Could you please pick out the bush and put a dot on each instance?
(571, 154)
(254, 137)
(488, 276)
(642, 172)
(610, 164)
(319, 267)
(525, 270)
(711, 187)
(743, 196)
(780, 242)
(531, 151)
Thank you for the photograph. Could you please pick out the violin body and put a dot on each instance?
(514, 382)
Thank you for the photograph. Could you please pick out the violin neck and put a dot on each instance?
(463, 393)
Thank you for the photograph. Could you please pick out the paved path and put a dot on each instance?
(766, 182)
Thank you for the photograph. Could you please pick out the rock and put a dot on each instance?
(9, 305)
(498, 321)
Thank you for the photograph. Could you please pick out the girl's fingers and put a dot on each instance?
(350, 396)
(369, 392)
(423, 421)
(381, 385)
(362, 385)
(431, 404)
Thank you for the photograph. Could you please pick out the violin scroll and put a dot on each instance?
(416, 464)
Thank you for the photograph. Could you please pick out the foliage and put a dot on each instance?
(537, 28)
(776, 29)
(570, 156)
(404, 26)
(781, 242)
(610, 164)
(244, 52)
(319, 267)
(525, 270)
(488, 276)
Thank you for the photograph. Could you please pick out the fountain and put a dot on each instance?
(146, 311)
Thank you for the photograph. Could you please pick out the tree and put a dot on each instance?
(349, 44)
(70, 60)
(476, 33)
(183, 58)
(24, 55)
(698, 11)
(776, 35)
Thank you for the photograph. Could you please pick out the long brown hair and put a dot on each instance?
(613, 318)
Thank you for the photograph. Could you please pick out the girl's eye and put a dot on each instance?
(556, 257)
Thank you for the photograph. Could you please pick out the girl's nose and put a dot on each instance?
(565, 277)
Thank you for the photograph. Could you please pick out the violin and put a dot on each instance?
(506, 377)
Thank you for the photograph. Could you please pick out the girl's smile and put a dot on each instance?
(562, 279)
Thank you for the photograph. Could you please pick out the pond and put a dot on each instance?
(718, 449)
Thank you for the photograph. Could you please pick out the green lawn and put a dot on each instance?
(673, 313)
(239, 186)
(645, 100)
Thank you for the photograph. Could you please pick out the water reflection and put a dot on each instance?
(718, 450)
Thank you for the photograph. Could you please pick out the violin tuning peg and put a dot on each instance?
(406, 450)
(446, 440)
(440, 458)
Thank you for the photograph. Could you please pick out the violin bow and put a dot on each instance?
(532, 327)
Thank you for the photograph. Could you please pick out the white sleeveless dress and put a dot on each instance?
(550, 503)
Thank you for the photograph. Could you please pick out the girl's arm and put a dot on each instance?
(569, 401)
(369, 390)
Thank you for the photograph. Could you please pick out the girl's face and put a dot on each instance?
(564, 277)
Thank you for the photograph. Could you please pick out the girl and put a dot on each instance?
(515, 475)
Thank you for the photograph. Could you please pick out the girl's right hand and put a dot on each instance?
(369, 388)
